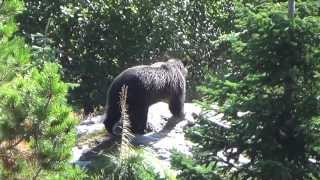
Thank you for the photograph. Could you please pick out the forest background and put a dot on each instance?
(261, 58)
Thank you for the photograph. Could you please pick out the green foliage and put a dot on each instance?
(191, 170)
(13, 52)
(98, 39)
(132, 167)
(28, 171)
(33, 110)
(269, 94)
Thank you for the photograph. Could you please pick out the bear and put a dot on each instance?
(147, 84)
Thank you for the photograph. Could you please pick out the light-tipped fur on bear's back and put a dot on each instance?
(147, 84)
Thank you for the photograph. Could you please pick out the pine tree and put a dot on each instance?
(269, 95)
(33, 109)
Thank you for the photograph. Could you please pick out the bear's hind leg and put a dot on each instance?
(138, 117)
(176, 106)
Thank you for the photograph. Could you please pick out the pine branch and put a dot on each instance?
(126, 136)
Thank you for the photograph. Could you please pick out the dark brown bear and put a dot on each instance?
(147, 84)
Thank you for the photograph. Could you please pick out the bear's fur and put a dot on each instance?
(147, 84)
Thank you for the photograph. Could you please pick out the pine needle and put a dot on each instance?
(126, 136)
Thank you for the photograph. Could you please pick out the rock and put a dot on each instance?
(83, 130)
(93, 120)
(167, 133)
(77, 152)
(90, 125)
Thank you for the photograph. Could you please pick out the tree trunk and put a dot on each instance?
(291, 8)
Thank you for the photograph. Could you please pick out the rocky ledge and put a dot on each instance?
(166, 134)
